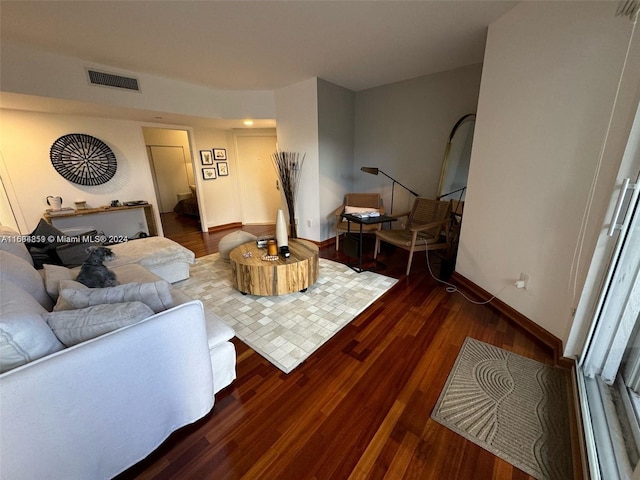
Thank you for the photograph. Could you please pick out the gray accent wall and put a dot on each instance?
(402, 128)
(336, 126)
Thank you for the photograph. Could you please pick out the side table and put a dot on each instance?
(352, 244)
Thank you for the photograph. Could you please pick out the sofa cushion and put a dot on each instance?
(76, 326)
(233, 240)
(9, 243)
(22, 274)
(24, 335)
(57, 277)
(156, 295)
(61, 303)
(150, 252)
(133, 273)
(137, 273)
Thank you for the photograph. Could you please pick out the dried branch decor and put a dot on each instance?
(288, 165)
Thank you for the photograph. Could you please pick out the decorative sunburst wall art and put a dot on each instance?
(83, 159)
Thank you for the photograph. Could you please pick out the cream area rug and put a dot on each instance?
(285, 329)
(512, 406)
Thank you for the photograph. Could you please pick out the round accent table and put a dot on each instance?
(250, 274)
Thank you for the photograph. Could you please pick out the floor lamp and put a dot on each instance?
(376, 171)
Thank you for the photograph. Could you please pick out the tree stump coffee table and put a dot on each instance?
(250, 274)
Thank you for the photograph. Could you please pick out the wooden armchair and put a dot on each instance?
(361, 201)
(427, 228)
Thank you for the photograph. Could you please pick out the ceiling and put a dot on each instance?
(260, 45)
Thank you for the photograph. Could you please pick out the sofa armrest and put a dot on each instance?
(97, 408)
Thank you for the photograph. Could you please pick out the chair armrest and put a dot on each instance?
(428, 226)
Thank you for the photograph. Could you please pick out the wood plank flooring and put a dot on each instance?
(357, 408)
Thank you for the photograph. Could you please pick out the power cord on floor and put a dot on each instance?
(453, 289)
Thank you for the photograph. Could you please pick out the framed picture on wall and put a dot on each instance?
(209, 173)
(220, 153)
(205, 157)
(223, 169)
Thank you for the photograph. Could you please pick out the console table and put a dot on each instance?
(251, 274)
(125, 221)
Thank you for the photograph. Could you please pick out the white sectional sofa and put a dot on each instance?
(93, 409)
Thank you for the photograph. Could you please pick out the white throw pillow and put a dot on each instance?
(157, 295)
(76, 326)
(53, 275)
(9, 244)
(21, 273)
(24, 335)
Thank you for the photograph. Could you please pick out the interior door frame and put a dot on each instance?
(190, 152)
(153, 160)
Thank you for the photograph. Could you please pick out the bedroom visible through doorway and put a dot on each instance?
(170, 161)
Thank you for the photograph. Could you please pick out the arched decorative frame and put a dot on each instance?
(83, 159)
(451, 165)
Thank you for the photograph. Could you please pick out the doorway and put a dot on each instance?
(171, 165)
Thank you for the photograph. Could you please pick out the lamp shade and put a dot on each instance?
(371, 170)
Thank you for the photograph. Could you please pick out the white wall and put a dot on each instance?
(25, 140)
(7, 216)
(403, 128)
(548, 85)
(33, 72)
(297, 130)
(219, 198)
(336, 131)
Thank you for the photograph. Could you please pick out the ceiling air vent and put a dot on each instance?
(111, 80)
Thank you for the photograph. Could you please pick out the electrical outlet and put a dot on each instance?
(309, 223)
(523, 282)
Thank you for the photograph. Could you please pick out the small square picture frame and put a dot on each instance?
(223, 169)
(206, 158)
(209, 173)
(220, 153)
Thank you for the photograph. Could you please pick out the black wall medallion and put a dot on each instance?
(83, 159)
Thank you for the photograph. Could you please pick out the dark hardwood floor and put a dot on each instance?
(357, 408)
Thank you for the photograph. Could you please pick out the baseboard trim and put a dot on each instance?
(327, 242)
(542, 335)
(227, 226)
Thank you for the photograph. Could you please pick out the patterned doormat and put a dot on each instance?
(510, 405)
(285, 329)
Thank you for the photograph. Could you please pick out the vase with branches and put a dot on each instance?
(288, 166)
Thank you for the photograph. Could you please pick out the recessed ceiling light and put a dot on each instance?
(248, 123)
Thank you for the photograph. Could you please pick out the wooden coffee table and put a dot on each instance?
(250, 274)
